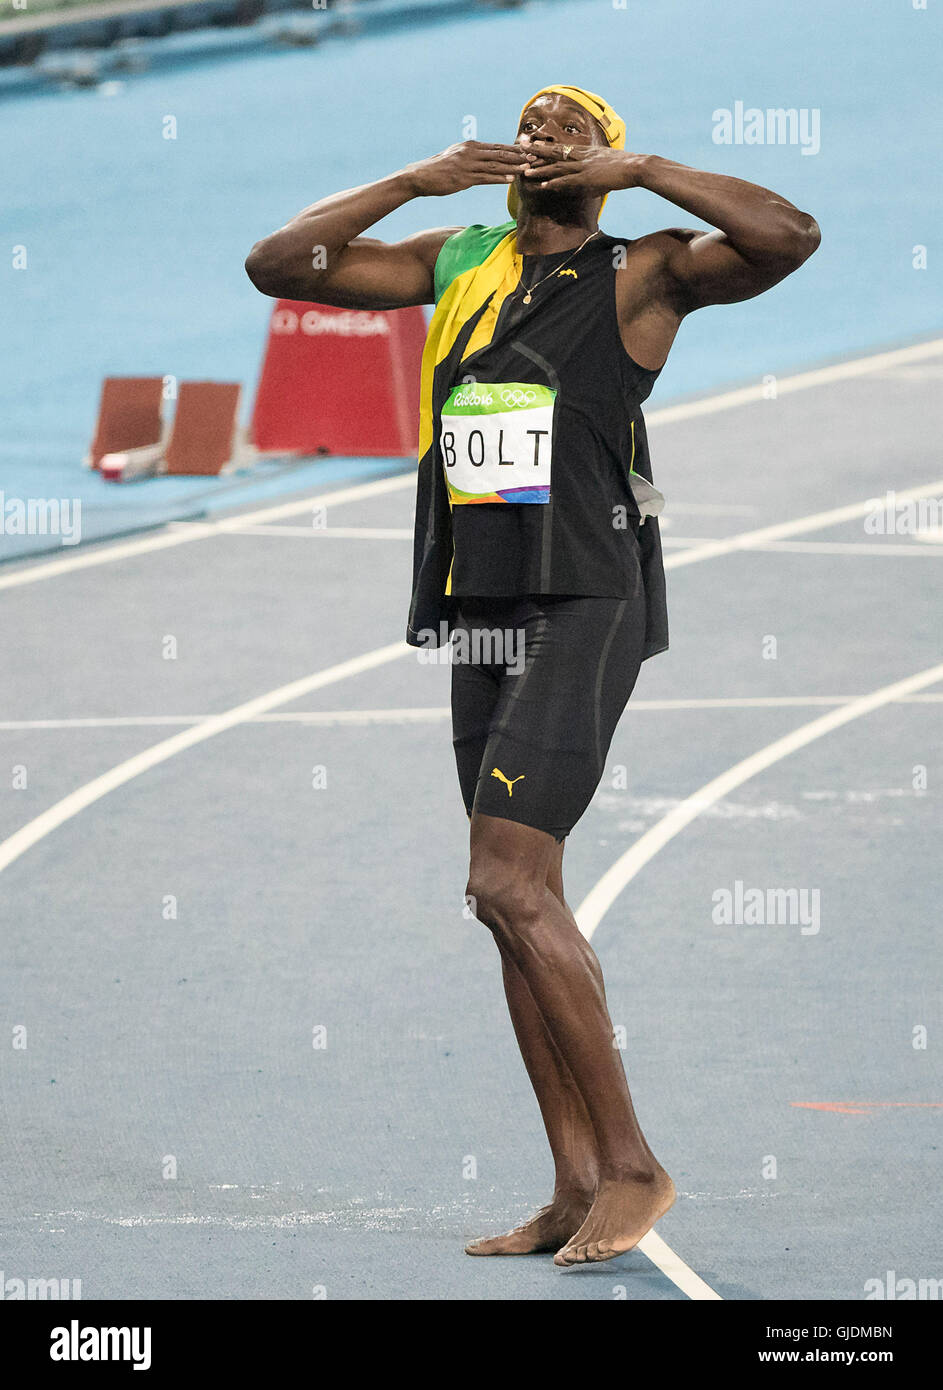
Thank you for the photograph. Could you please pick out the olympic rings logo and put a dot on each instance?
(518, 397)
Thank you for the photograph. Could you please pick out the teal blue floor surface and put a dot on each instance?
(135, 243)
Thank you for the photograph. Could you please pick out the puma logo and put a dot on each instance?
(496, 772)
(570, 272)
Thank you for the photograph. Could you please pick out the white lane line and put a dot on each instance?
(711, 508)
(117, 721)
(768, 702)
(812, 547)
(821, 376)
(335, 533)
(846, 548)
(677, 1271)
(750, 540)
(176, 534)
(601, 897)
(341, 716)
(84, 796)
(431, 713)
(402, 533)
(419, 715)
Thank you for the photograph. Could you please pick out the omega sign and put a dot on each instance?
(346, 324)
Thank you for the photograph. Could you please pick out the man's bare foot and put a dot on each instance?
(621, 1215)
(544, 1231)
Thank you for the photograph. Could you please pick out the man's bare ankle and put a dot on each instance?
(647, 1174)
(574, 1194)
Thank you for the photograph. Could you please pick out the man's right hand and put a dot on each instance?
(465, 165)
(320, 256)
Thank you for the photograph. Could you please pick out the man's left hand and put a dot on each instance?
(591, 167)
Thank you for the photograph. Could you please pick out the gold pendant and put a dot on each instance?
(527, 299)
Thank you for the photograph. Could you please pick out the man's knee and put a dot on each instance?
(505, 900)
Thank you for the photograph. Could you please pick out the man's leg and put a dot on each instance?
(510, 865)
(568, 1126)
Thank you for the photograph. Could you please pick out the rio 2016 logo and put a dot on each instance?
(470, 395)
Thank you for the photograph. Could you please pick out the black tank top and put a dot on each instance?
(584, 540)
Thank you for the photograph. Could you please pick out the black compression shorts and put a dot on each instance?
(538, 685)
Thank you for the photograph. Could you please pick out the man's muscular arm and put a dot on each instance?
(760, 239)
(320, 255)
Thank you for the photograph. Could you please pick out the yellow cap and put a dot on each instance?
(613, 126)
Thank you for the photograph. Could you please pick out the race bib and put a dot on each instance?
(495, 442)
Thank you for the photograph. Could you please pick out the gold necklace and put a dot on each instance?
(556, 270)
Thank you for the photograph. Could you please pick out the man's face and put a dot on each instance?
(554, 119)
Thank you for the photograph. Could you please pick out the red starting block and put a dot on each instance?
(204, 439)
(204, 435)
(129, 416)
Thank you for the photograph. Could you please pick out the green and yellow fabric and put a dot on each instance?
(476, 270)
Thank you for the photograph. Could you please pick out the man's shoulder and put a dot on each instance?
(485, 231)
(465, 249)
(661, 243)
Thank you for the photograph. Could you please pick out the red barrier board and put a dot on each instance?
(340, 381)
